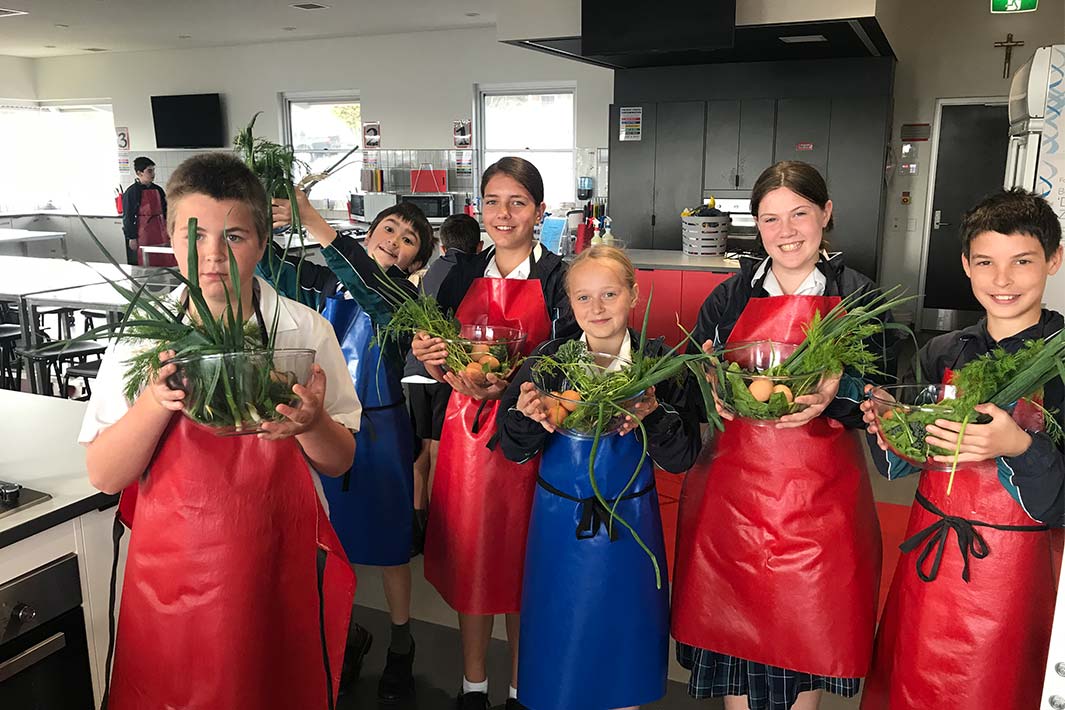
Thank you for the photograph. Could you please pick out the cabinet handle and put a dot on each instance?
(652, 220)
(737, 179)
(32, 655)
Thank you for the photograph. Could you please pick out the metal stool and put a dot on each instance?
(10, 364)
(92, 316)
(51, 356)
(85, 370)
(64, 319)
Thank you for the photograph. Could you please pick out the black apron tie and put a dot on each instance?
(477, 416)
(594, 514)
(320, 561)
(933, 539)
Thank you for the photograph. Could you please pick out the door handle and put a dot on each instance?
(32, 655)
(937, 221)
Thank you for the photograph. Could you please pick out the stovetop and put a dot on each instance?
(14, 497)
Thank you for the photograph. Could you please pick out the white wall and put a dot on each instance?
(945, 50)
(415, 84)
(16, 78)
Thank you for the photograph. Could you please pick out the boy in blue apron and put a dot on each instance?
(371, 507)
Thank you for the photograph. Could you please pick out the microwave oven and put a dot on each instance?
(363, 207)
(436, 206)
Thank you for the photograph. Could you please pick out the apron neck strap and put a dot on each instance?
(256, 293)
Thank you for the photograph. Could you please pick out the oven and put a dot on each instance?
(44, 654)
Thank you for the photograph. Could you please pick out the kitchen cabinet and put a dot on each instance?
(677, 295)
(678, 168)
(632, 179)
(802, 131)
(739, 142)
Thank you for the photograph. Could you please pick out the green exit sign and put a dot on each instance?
(1013, 5)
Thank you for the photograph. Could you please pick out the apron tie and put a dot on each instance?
(933, 539)
(477, 417)
(594, 514)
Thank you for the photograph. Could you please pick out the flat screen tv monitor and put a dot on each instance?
(188, 121)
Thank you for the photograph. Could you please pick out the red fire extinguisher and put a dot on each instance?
(118, 200)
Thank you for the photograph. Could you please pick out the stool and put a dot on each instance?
(85, 370)
(91, 316)
(52, 355)
(64, 319)
(10, 364)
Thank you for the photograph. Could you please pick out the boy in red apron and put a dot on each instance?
(144, 216)
(237, 592)
(971, 627)
(480, 503)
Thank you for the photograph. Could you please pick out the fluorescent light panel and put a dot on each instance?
(803, 39)
(11, 13)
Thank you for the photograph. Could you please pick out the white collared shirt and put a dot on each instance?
(813, 285)
(521, 271)
(297, 327)
(624, 355)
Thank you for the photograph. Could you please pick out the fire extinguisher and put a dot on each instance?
(118, 200)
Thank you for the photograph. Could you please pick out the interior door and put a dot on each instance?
(973, 144)
(679, 140)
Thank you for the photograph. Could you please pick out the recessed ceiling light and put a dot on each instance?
(473, 14)
(49, 46)
(184, 36)
(803, 39)
(94, 49)
(11, 13)
(289, 29)
(62, 26)
(309, 6)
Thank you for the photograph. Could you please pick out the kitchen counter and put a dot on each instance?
(679, 261)
(42, 452)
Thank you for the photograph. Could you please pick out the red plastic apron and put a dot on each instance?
(980, 642)
(151, 230)
(778, 556)
(480, 504)
(220, 603)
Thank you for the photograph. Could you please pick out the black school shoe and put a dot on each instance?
(513, 704)
(473, 701)
(418, 526)
(359, 642)
(397, 680)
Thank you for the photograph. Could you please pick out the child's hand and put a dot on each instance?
(644, 406)
(492, 388)
(281, 210)
(981, 442)
(816, 403)
(161, 392)
(532, 405)
(429, 351)
(304, 417)
(868, 408)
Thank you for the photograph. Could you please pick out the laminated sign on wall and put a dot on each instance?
(631, 128)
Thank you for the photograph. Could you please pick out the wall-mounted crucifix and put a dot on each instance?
(1008, 45)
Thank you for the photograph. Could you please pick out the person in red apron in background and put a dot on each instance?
(144, 216)
(778, 551)
(480, 504)
(236, 592)
(967, 621)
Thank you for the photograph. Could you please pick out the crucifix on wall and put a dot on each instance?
(1008, 45)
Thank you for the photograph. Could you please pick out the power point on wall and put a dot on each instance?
(905, 199)
(896, 223)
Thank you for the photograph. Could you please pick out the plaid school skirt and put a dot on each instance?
(715, 675)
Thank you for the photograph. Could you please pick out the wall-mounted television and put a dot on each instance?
(189, 121)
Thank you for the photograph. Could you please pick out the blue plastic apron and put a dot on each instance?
(594, 629)
(371, 506)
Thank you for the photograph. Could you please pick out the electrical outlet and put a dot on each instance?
(895, 223)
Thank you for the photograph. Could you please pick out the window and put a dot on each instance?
(58, 155)
(535, 125)
(322, 129)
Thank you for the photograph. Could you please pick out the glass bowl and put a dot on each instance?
(566, 409)
(234, 393)
(746, 388)
(902, 413)
(481, 349)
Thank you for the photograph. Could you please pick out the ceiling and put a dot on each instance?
(137, 25)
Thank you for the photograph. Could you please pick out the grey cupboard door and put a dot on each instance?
(722, 144)
(755, 154)
(802, 131)
(679, 152)
(632, 180)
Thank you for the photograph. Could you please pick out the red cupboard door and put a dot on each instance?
(695, 287)
(665, 306)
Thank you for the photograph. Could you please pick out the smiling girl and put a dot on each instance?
(778, 551)
(479, 508)
(594, 626)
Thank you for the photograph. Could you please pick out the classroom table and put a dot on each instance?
(23, 237)
(22, 277)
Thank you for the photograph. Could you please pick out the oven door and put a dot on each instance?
(44, 655)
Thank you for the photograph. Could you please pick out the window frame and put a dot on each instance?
(519, 89)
